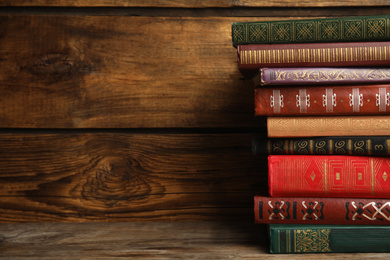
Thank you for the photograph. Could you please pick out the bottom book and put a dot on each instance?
(286, 238)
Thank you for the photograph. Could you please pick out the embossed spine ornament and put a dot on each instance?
(328, 126)
(342, 29)
(320, 76)
(328, 239)
(321, 211)
(329, 176)
(317, 100)
(341, 54)
(358, 146)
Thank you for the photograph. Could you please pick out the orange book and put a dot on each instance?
(328, 126)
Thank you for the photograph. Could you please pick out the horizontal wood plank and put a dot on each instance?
(162, 240)
(192, 3)
(121, 72)
(137, 177)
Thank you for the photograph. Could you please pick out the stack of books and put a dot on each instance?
(324, 87)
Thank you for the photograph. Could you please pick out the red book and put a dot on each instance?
(329, 176)
(312, 210)
(332, 54)
(319, 100)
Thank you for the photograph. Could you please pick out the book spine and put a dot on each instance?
(358, 28)
(321, 76)
(317, 100)
(328, 126)
(321, 211)
(358, 146)
(329, 176)
(328, 239)
(347, 54)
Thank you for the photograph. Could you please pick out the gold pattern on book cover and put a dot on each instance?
(325, 126)
(330, 74)
(323, 55)
(312, 240)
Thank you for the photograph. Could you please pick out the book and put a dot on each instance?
(328, 126)
(329, 176)
(320, 76)
(332, 54)
(326, 211)
(324, 145)
(318, 100)
(328, 239)
(356, 28)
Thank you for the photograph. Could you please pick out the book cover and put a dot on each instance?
(318, 100)
(326, 211)
(338, 29)
(321, 76)
(329, 176)
(328, 239)
(323, 145)
(328, 126)
(333, 54)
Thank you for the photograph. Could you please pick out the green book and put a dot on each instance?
(328, 239)
(342, 29)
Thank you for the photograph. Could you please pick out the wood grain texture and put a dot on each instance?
(192, 3)
(163, 240)
(137, 177)
(121, 72)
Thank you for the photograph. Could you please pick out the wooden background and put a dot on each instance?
(132, 111)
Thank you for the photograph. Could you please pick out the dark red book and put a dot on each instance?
(328, 176)
(332, 54)
(320, 100)
(312, 210)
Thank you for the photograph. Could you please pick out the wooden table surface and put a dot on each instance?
(131, 117)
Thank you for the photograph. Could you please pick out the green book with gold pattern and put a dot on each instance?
(292, 239)
(341, 29)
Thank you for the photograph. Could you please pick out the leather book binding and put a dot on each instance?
(332, 54)
(335, 29)
(321, 76)
(317, 100)
(328, 126)
(332, 145)
(298, 239)
(320, 211)
(329, 176)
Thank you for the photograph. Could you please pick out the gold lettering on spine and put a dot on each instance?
(369, 145)
(311, 146)
(372, 175)
(326, 177)
(349, 146)
(331, 146)
(388, 146)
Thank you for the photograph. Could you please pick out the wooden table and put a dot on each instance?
(132, 118)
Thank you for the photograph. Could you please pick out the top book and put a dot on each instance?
(341, 29)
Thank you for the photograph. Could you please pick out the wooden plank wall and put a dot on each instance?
(130, 110)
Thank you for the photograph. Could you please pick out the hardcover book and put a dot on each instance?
(357, 28)
(328, 126)
(333, 145)
(317, 100)
(325, 211)
(329, 176)
(341, 54)
(328, 239)
(320, 76)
